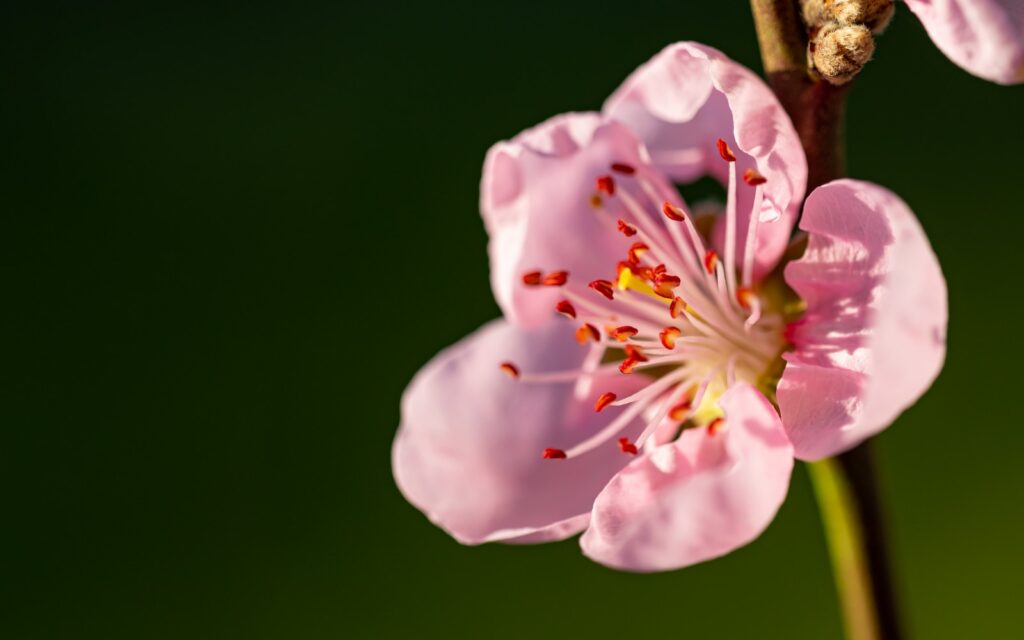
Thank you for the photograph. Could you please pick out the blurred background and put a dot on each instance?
(222, 239)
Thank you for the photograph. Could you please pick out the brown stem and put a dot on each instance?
(818, 110)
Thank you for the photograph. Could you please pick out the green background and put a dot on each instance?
(231, 235)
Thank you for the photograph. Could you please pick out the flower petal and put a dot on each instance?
(685, 99)
(985, 37)
(535, 199)
(874, 335)
(468, 452)
(699, 497)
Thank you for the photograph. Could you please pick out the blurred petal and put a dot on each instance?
(985, 37)
(699, 497)
(468, 453)
(874, 335)
(535, 200)
(685, 99)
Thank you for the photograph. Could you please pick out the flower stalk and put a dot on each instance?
(846, 486)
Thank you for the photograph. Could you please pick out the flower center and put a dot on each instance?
(687, 320)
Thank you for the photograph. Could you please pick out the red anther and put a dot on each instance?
(553, 454)
(587, 332)
(664, 283)
(658, 270)
(606, 185)
(627, 447)
(745, 296)
(623, 333)
(622, 167)
(627, 229)
(646, 273)
(532, 278)
(753, 178)
(565, 308)
(510, 369)
(668, 337)
(679, 412)
(627, 365)
(715, 426)
(710, 260)
(636, 249)
(633, 357)
(664, 291)
(604, 400)
(677, 307)
(671, 212)
(623, 264)
(635, 353)
(725, 151)
(603, 287)
(667, 279)
(555, 278)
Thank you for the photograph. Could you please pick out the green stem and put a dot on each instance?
(846, 548)
(846, 486)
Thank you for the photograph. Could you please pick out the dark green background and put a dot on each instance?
(231, 235)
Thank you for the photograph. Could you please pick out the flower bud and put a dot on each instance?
(838, 53)
(873, 14)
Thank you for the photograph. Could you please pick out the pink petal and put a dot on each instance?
(535, 202)
(874, 335)
(985, 37)
(685, 99)
(468, 452)
(699, 497)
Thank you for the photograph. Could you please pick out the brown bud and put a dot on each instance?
(815, 13)
(873, 14)
(838, 53)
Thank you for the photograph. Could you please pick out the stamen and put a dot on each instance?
(679, 412)
(730, 229)
(587, 332)
(748, 250)
(623, 333)
(627, 366)
(666, 281)
(604, 287)
(553, 454)
(633, 357)
(606, 185)
(595, 200)
(627, 447)
(668, 337)
(532, 278)
(715, 426)
(622, 167)
(725, 151)
(710, 260)
(626, 229)
(555, 278)
(677, 307)
(511, 369)
(636, 250)
(745, 297)
(604, 400)
(753, 178)
(565, 308)
(637, 403)
(634, 352)
(672, 213)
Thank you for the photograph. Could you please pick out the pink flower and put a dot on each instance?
(985, 37)
(647, 417)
